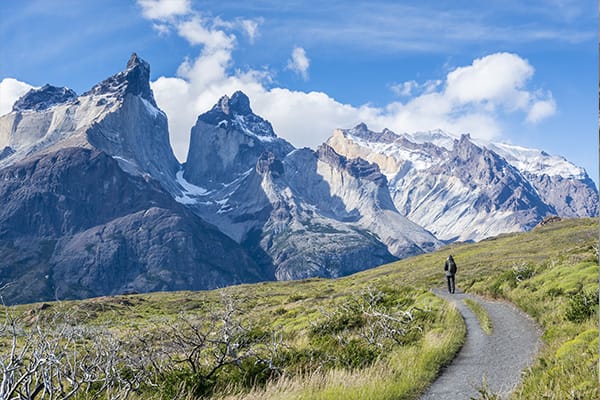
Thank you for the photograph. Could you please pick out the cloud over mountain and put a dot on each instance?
(299, 62)
(10, 90)
(471, 98)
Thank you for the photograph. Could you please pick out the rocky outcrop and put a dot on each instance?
(461, 190)
(570, 197)
(226, 142)
(301, 212)
(118, 116)
(74, 224)
(88, 187)
(44, 98)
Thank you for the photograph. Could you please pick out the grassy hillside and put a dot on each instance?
(379, 334)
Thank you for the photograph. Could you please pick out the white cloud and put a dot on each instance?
(299, 62)
(410, 88)
(10, 91)
(540, 110)
(472, 98)
(404, 89)
(196, 32)
(496, 79)
(250, 28)
(164, 9)
(161, 29)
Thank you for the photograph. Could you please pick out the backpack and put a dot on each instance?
(451, 266)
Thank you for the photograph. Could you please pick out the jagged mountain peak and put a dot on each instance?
(362, 127)
(237, 104)
(362, 131)
(235, 113)
(44, 98)
(240, 103)
(135, 61)
(118, 116)
(135, 80)
(465, 149)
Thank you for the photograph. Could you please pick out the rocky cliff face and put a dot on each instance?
(118, 116)
(226, 142)
(86, 186)
(301, 212)
(463, 190)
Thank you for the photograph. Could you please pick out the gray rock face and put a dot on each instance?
(461, 190)
(6, 152)
(44, 98)
(301, 213)
(134, 80)
(87, 192)
(570, 197)
(118, 116)
(226, 142)
(74, 224)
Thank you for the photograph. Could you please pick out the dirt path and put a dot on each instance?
(498, 359)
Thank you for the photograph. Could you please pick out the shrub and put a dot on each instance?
(554, 292)
(337, 323)
(357, 354)
(582, 306)
(523, 272)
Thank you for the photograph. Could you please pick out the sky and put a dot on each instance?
(524, 73)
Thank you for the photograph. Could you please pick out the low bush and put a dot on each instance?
(582, 306)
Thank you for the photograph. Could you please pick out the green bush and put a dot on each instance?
(179, 382)
(554, 292)
(303, 360)
(249, 373)
(507, 278)
(523, 272)
(510, 279)
(337, 323)
(582, 306)
(357, 354)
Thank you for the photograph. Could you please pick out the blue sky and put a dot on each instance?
(519, 72)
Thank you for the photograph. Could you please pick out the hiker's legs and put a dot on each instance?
(449, 283)
(453, 283)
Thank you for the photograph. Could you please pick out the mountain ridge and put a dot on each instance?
(461, 189)
(246, 205)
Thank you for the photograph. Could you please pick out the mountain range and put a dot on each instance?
(95, 202)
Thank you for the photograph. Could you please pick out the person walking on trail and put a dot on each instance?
(450, 268)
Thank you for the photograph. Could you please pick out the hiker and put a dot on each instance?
(450, 268)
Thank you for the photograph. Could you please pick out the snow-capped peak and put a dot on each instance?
(437, 137)
(537, 162)
(235, 113)
(532, 161)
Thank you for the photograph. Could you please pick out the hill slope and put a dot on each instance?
(377, 334)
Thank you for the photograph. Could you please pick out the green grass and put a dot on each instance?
(551, 273)
(482, 315)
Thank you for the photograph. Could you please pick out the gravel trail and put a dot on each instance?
(499, 358)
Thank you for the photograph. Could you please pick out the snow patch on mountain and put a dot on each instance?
(245, 126)
(190, 191)
(466, 189)
(437, 137)
(154, 111)
(538, 162)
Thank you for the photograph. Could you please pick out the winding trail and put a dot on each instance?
(499, 358)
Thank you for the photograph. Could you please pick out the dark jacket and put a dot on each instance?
(450, 266)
